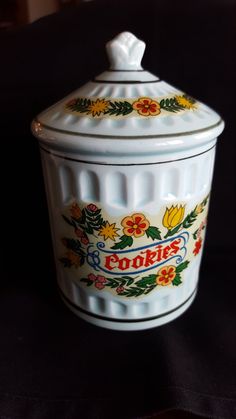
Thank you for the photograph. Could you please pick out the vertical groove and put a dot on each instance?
(116, 189)
(143, 188)
(170, 184)
(89, 186)
(206, 171)
(67, 184)
(190, 180)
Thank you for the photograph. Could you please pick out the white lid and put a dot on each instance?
(128, 103)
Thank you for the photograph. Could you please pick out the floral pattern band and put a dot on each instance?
(132, 256)
(143, 106)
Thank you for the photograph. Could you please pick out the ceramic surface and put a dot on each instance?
(128, 163)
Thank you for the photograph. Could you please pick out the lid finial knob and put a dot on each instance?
(125, 52)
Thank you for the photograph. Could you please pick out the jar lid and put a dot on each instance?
(127, 102)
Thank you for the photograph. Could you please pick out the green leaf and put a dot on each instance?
(204, 202)
(81, 105)
(129, 282)
(112, 283)
(195, 234)
(81, 253)
(149, 289)
(66, 262)
(89, 229)
(124, 242)
(92, 213)
(82, 260)
(148, 280)
(87, 281)
(76, 220)
(119, 108)
(72, 244)
(68, 221)
(182, 266)
(153, 232)
(173, 231)
(94, 219)
(133, 292)
(171, 105)
(83, 217)
(122, 282)
(177, 281)
(189, 220)
(127, 277)
(94, 222)
(116, 282)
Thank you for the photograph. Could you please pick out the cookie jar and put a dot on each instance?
(128, 162)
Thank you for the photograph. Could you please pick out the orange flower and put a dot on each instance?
(135, 225)
(75, 211)
(166, 275)
(73, 258)
(146, 107)
(199, 208)
(197, 248)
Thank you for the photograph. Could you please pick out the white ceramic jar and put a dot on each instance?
(128, 162)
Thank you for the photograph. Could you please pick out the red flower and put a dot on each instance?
(92, 207)
(99, 281)
(146, 106)
(99, 285)
(81, 234)
(120, 289)
(202, 226)
(166, 275)
(135, 225)
(197, 247)
(92, 277)
(85, 240)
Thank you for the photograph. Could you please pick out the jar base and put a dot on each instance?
(129, 325)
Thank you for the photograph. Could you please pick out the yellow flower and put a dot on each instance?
(108, 231)
(146, 106)
(75, 211)
(185, 101)
(173, 216)
(136, 225)
(198, 209)
(166, 275)
(98, 107)
(73, 258)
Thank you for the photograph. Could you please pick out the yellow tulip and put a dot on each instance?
(198, 209)
(173, 216)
